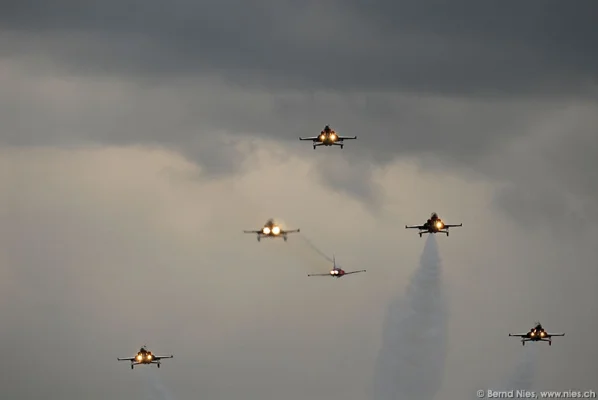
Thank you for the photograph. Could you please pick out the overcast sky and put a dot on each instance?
(139, 138)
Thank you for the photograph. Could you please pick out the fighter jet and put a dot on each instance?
(433, 225)
(536, 334)
(272, 230)
(337, 272)
(144, 356)
(328, 137)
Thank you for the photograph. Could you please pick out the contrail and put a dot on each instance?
(410, 365)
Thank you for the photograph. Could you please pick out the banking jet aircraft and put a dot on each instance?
(337, 272)
(433, 225)
(536, 334)
(144, 356)
(272, 230)
(328, 137)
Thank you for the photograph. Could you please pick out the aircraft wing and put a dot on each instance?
(292, 231)
(126, 358)
(355, 272)
(518, 334)
(452, 226)
(313, 138)
(161, 357)
(341, 138)
(252, 231)
(319, 274)
(415, 227)
(555, 334)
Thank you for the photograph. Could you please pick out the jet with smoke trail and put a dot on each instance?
(433, 225)
(410, 365)
(337, 272)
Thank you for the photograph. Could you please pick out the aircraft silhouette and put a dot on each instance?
(328, 137)
(536, 334)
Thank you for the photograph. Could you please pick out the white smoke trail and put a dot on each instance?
(523, 375)
(525, 371)
(410, 365)
(314, 248)
(155, 387)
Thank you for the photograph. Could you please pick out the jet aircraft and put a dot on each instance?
(337, 272)
(328, 137)
(144, 356)
(536, 334)
(272, 230)
(433, 225)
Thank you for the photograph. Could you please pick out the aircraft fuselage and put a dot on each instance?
(145, 359)
(434, 226)
(328, 140)
(271, 235)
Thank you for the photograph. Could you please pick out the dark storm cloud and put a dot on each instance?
(554, 180)
(290, 67)
(464, 47)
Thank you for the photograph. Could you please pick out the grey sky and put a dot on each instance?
(139, 138)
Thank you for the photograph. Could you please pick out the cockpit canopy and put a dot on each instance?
(434, 216)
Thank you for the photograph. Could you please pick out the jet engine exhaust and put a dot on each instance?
(410, 364)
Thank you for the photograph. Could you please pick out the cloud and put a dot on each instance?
(464, 48)
(458, 84)
(136, 136)
(105, 249)
(206, 119)
(549, 173)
